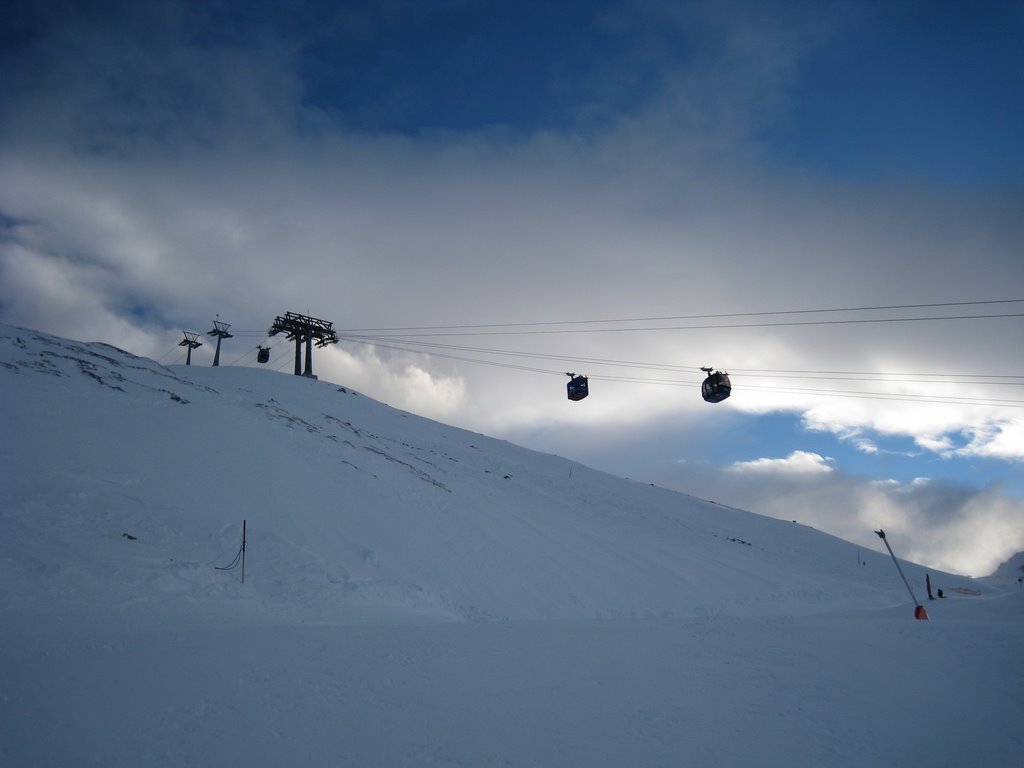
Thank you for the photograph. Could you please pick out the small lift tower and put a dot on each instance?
(220, 330)
(191, 341)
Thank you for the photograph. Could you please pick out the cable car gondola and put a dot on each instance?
(577, 387)
(263, 356)
(716, 386)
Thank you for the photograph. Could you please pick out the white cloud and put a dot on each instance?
(945, 525)
(865, 445)
(937, 428)
(798, 462)
(1003, 439)
(398, 381)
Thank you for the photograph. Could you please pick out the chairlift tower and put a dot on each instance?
(220, 330)
(302, 328)
(191, 341)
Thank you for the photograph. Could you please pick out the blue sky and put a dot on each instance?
(926, 91)
(887, 90)
(403, 164)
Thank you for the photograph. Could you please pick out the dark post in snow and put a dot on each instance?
(191, 341)
(243, 551)
(220, 330)
(302, 328)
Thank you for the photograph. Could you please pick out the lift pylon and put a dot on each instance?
(220, 330)
(302, 328)
(191, 341)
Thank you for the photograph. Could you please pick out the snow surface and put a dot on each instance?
(416, 594)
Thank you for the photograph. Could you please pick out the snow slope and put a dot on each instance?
(417, 594)
(1011, 570)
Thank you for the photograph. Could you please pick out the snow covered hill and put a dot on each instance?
(416, 594)
(1011, 570)
(353, 507)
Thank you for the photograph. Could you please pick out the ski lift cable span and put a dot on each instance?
(578, 387)
(874, 395)
(801, 375)
(749, 373)
(703, 327)
(662, 318)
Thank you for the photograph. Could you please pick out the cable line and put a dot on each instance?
(244, 355)
(791, 323)
(456, 357)
(693, 317)
(903, 397)
(536, 355)
(751, 372)
(166, 354)
(896, 396)
(412, 340)
(872, 373)
(233, 563)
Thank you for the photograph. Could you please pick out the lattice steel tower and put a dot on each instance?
(302, 328)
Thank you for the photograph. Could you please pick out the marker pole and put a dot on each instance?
(243, 551)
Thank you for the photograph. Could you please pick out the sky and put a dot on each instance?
(825, 199)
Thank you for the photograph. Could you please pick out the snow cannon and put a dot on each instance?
(919, 612)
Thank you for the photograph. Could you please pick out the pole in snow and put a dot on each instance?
(243, 551)
(919, 611)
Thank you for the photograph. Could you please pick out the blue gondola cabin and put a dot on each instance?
(577, 387)
(716, 386)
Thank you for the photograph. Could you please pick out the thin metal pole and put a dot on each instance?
(243, 551)
(881, 535)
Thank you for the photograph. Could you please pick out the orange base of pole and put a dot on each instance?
(920, 613)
